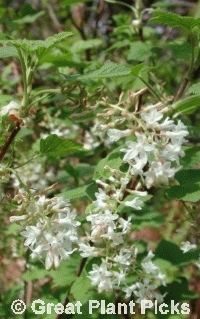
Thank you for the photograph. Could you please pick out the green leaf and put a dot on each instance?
(139, 51)
(172, 253)
(40, 47)
(57, 146)
(7, 52)
(3, 36)
(135, 71)
(84, 282)
(113, 160)
(29, 18)
(189, 188)
(142, 217)
(181, 50)
(176, 292)
(174, 20)
(4, 99)
(186, 106)
(192, 157)
(108, 70)
(85, 191)
(160, 4)
(61, 60)
(36, 272)
(194, 89)
(68, 3)
(82, 45)
(66, 274)
(84, 169)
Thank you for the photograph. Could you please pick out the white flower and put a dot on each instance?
(125, 224)
(137, 149)
(124, 257)
(32, 233)
(137, 168)
(87, 250)
(67, 219)
(198, 264)
(178, 133)
(160, 276)
(136, 23)
(149, 267)
(114, 134)
(101, 198)
(186, 246)
(129, 290)
(152, 117)
(159, 174)
(172, 152)
(134, 203)
(51, 260)
(144, 290)
(100, 276)
(166, 125)
(117, 195)
(140, 193)
(102, 223)
(55, 231)
(124, 181)
(149, 256)
(116, 238)
(7, 108)
(17, 218)
(120, 277)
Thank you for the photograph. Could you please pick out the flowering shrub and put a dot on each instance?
(97, 154)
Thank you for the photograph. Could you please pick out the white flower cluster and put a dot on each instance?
(54, 125)
(155, 155)
(4, 110)
(153, 159)
(33, 175)
(109, 239)
(50, 229)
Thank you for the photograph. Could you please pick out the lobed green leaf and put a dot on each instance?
(40, 47)
(108, 70)
(174, 20)
(194, 88)
(7, 52)
(57, 146)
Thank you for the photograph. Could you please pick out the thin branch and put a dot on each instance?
(181, 89)
(9, 140)
(83, 36)
(56, 24)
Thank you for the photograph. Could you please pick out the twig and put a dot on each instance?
(83, 36)
(56, 23)
(9, 140)
(181, 89)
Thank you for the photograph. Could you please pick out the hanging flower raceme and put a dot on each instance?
(155, 155)
(50, 228)
(152, 158)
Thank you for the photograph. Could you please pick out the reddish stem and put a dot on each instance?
(9, 140)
